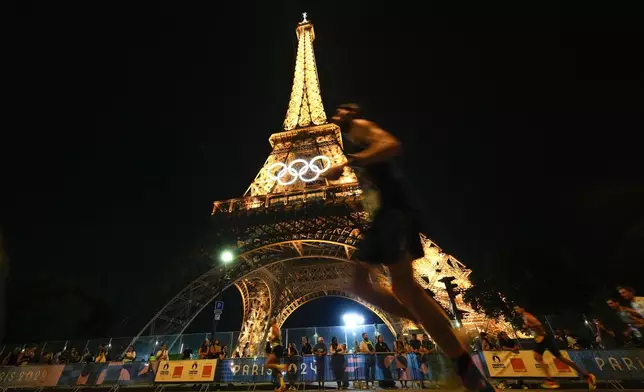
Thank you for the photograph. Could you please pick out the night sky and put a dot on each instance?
(521, 126)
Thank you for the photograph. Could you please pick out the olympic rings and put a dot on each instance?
(300, 172)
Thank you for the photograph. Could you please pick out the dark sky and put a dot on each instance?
(125, 121)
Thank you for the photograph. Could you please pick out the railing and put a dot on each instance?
(387, 367)
(433, 370)
(336, 193)
(145, 345)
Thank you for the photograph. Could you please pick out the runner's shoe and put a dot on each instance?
(550, 384)
(592, 382)
(471, 376)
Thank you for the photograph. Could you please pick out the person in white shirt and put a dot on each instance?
(636, 303)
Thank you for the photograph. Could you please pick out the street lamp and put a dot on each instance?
(226, 256)
(352, 320)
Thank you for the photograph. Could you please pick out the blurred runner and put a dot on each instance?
(546, 342)
(393, 238)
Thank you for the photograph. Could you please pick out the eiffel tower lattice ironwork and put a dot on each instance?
(296, 232)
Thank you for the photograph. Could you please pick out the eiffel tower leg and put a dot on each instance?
(255, 293)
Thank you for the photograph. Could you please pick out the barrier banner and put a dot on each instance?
(186, 371)
(122, 373)
(520, 364)
(612, 364)
(307, 369)
(30, 376)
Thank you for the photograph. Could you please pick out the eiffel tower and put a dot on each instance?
(296, 232)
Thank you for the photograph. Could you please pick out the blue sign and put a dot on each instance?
(219, 306)
(308, 368)
(611, 364)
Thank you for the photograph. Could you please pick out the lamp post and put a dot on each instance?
(226, 257)
(449, 287)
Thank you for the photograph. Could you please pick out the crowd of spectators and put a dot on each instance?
(626, 332)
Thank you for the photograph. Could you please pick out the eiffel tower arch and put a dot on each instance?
(296, 233)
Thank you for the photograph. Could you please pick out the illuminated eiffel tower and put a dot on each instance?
(296, 232)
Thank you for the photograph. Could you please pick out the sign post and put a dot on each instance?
(218, 310)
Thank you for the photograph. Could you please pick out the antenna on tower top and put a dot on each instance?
(304, 20)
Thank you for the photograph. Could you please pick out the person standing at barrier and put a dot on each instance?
(401, 362)
(215, 348)
(307, 349)
(130, 355)
(393, 238)
(293, 365)
(631, 301)
(101, 357)
(203, 349)
(383, 351)
(545, 342)
(275, 352)
(320, 352)
(367, 349)
(337, 361)
(426, 349)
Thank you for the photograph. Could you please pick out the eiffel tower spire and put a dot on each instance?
(305, 107)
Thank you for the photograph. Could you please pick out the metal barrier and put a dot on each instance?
(345, 368)
(608, 366)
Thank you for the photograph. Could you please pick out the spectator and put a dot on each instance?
(337, 361)
(224, 352)
(559, 339)
(63, 356)
(215, 349)
(12, 358)
(414, 347)
(426, 348)
(507, 343)
(236, 354)
(320, 351)
(130, 355)
(101, 357)
(74, 356)
(486, 344)
(246, 351)
(292, 359)
(400, 346)
(367, 348)
(382, 347)
(162, 354)
(87, 356)
(203, 350)
(571, 340)
(629, 317)
(187, 353)
(48, 358)
(307, 349)
(604, 337)
(28, 356)
(631, 301)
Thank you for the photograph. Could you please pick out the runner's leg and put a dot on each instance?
(539, 358)
(435, 321)
(425, 309)
(377, 295)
